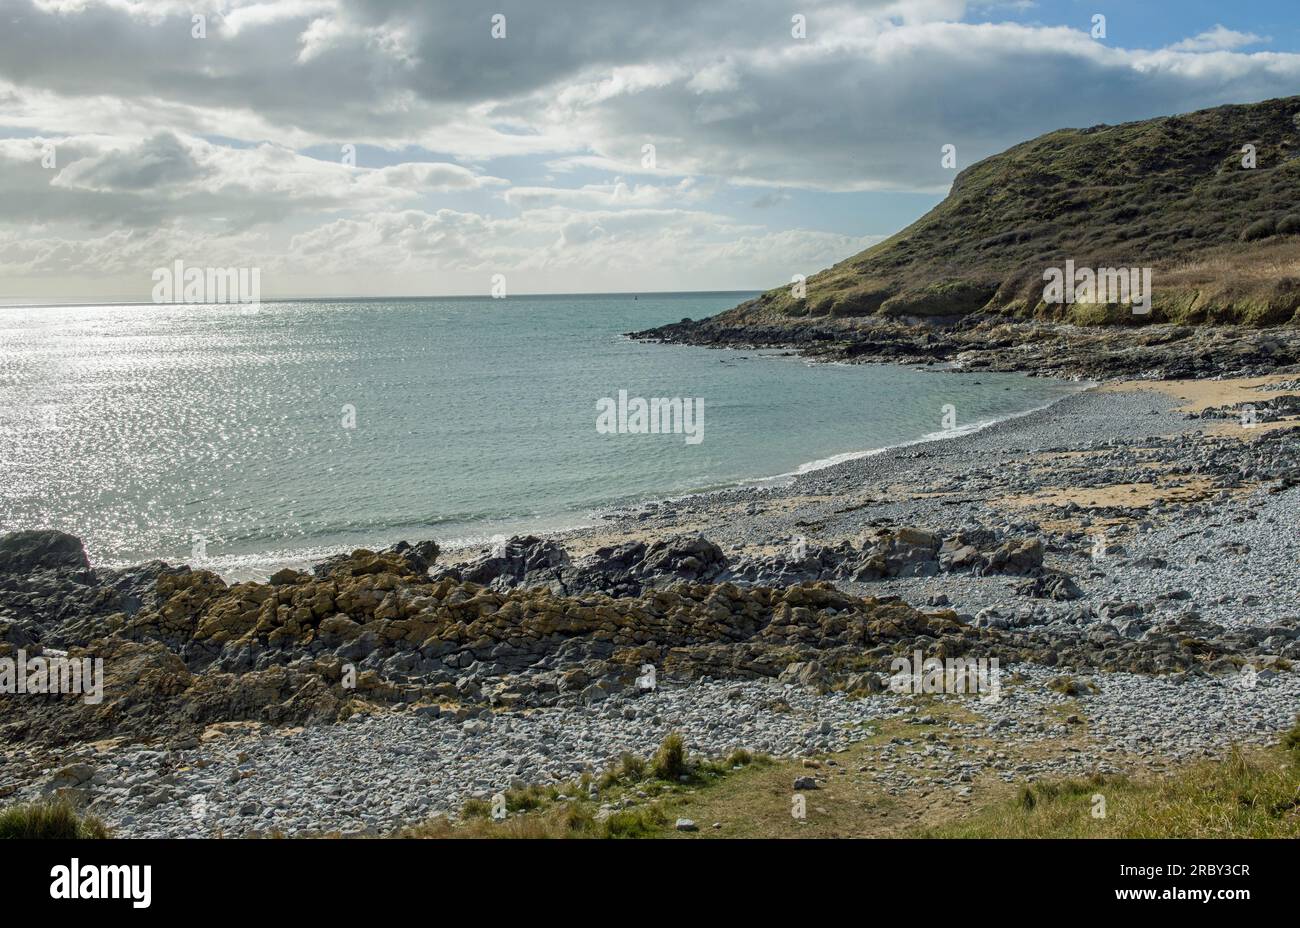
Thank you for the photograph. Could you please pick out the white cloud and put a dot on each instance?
(162, 137)
(172, 176)
(1219, 38)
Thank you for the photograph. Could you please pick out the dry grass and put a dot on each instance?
(49, 819)
(1245, 795)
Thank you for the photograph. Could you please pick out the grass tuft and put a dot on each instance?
(49, 819)
(670, 760)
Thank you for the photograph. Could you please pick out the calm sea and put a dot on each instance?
(263, 438)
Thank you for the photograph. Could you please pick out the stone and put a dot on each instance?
(41, 549)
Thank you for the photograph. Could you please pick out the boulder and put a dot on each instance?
(41, 549)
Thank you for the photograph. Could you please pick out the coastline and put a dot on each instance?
(1195, 550)
(257, 565)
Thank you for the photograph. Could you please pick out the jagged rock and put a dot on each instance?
(864, 683)
(521, 561)
(195, 650)
(42, 549)
(1020, 556)
(807, 673)
(1055, 585)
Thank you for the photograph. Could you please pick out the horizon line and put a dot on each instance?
(359, 299)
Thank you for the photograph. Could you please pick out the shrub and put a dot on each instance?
(1291, 738)
(739, 758)
(670, 760)
(1289, 225)
(1260, 228)
(526, 799)
(634, 823)
(53, 818)
(629, 769)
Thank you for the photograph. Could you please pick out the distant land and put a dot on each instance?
(1172, 194)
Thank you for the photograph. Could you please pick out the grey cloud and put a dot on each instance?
(158, 162)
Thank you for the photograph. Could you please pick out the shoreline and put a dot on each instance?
(260, 565)
(1195, 583)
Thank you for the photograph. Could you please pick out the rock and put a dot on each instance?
(685, 824)
(41, 549)
(1019, 556)
(803, 783)
(807, 673)
(69, 777)
(864, 683)
(1054, 585)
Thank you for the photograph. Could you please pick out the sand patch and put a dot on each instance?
(1120, 495)
(1197, 395)
(1231, 428)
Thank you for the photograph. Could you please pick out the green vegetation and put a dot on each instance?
(47, 819)
(572, 809)
(1068, 686)
(670, 759)
(1245, 795)
(1170, 193)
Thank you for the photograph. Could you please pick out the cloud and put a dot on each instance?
(172, 176)
(861, 103)
(555, 248)
(617, 193)
(1217, 39)
(161, 136)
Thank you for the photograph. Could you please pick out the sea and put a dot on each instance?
(246, 438)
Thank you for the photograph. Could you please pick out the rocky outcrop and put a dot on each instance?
(992, 343)
(622, 570)
(374, 628)
(897, 552)
(29, 551)
(1266, 409)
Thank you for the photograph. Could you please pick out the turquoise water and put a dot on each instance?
(170, 431)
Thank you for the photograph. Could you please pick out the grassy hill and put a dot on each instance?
(1223, 240)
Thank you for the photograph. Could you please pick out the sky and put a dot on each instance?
(421, 147)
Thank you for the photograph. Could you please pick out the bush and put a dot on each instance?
(1260, 228)
(1291, 738)
(53, 818)
(634, 823)
(739, 758)
(1068, 686)
(1289, 225)
(628, 769)
(670, 760)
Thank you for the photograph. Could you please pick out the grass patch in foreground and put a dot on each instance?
(572, 809)
(49, 819)
(1247, 794)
